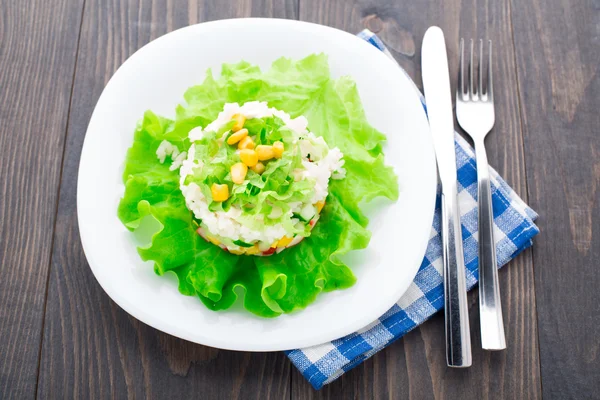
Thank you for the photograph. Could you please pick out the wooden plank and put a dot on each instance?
(557, 47)
(91, 348)
(38, 43)
(415, 367)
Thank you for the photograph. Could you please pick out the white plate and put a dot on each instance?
(155, 78)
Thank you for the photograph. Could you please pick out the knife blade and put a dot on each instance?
(436, 85)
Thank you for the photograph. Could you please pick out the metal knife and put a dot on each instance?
(436, 83)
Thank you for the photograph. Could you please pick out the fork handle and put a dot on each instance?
(490, 306)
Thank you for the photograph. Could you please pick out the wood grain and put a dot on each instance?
(415, 366)
(37, 57)
(558, 55)
(92, 348)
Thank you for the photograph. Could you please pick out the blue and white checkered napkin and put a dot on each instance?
(514, 229)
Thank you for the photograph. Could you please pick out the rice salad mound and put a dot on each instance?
(255, 179)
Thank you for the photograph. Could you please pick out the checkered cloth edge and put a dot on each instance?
(513, 232)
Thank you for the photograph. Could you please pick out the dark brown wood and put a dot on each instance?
(37, 58)
(415, 366)
(558, 53)
(92, 348)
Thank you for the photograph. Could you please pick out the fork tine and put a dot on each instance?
(480, 72)
(472, 90)
(460, 90)
(490, 86)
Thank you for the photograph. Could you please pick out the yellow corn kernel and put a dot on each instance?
(252, 250)
(259, 168)
(249, 157)
(264, 152)
(237, 136)
(246, 143)
(278, 149)
(284, 241)
(219, 192)
(239, 122)
(238, 173)
(320, 206)
(213, 240)
(274, 245)
(236, 252)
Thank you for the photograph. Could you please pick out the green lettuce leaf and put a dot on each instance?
(289, 280)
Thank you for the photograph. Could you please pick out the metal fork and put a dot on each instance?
(475, 114)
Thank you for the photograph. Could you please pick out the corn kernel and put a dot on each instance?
(274, 245)
(213, 240)
(264, 152)
(238, 173)
(237, 136)
(219, 192)
(249, 157)
(246, 143)
(278, 149)
(239, 122)
(236, 252)
(284, 241)
(320, 206)
(252, 250)
(259, 168)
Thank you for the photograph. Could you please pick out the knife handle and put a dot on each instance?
(458, 339)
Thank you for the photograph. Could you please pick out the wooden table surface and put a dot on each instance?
(62, 337)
